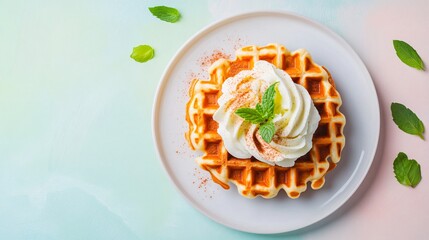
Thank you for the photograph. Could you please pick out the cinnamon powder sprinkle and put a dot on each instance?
(209, 59)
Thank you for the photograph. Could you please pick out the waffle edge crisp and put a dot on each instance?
(252, 177)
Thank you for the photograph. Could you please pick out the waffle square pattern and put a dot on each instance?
(252, 177)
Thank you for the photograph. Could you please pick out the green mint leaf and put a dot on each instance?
(408, 55)
(259, 108)
(166, 14)
(262, 113)
(142, 53)
(407, 120)
(267, 131)
(250, 114)
(268, 100)
(407, 171)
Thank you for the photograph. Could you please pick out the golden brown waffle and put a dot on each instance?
(251, 176)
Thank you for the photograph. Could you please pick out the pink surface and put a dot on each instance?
(382, 208)
(78, 159)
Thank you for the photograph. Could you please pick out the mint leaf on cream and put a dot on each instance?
(259, 108)
(407, 171)
(142, 53)
(262, 114)
(167, 14)
(250, 114)
(268, 100)
(267, 131)
(408, 55)
(407, 120)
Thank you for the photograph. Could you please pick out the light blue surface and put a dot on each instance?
(77, 157)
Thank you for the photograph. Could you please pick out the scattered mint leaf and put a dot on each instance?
(407, 120)
(408, 55)
(250, 114)
(407, 171)
(267, 131)
(268, 100)
(167, 14)
(142, 53)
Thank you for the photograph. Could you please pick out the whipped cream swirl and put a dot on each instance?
(295, 116)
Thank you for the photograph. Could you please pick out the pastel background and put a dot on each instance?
(77, 159)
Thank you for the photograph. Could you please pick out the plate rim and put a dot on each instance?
(213, 26)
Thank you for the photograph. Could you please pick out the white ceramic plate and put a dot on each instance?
(280, 214)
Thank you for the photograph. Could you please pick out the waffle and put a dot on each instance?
(252, 177)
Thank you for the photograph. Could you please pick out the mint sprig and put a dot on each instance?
(262, 114)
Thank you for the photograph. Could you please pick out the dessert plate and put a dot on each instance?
(280, 214)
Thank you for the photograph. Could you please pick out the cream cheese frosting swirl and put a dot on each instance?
(295, 116)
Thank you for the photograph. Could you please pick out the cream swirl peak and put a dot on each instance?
(295, 116)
